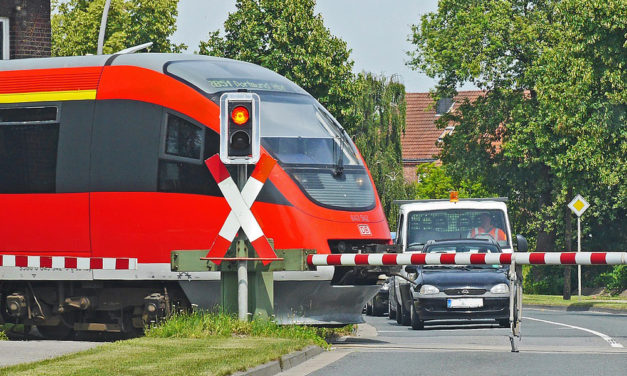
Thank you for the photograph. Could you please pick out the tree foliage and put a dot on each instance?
(552, 123)
(379, 110)
(288, 38)
(76, 24)
(435, 182)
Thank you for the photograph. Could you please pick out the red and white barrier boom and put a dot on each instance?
(515, 260)
(534, 258)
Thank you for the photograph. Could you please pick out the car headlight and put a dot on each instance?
(385, 287)
(428, 290)
(501, 288)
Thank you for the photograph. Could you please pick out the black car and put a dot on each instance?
(378, 304)
(451, 292)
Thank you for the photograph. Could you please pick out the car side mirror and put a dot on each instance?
(522, 243)
(411, 269)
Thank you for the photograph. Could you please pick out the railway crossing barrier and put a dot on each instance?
(514, 260)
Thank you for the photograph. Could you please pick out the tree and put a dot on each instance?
(76, 24)
(435, 182)
(379, 110)
(288, 38)
(553, 119)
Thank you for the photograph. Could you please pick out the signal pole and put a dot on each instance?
(242, 252)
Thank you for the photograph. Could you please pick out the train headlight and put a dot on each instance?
(428, 290)
(501, 288)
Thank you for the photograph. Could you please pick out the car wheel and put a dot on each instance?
(416, 323)
(368, 309)
(399, 317)
(503, 323)
(404, 315)
(391, 312)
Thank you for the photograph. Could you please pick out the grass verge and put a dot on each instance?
(165, 356)
(187, 344)
(575, 302)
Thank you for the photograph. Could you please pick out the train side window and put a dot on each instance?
(29, 138)
(183, 140)
(181, 167)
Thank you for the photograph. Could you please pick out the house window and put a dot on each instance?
(443, 106)
(4, 38)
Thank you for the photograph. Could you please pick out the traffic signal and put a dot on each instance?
(239, 128)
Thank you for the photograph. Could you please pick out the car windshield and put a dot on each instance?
(423, 226)
(463, 248)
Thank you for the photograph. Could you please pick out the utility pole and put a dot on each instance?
(103, 26)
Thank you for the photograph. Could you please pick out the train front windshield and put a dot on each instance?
(308, 143)
(315, 151)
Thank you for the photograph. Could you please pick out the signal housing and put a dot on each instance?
(239, 134)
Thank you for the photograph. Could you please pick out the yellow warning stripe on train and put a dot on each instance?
(48, 96)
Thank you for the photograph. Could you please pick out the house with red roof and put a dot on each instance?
(420, 142)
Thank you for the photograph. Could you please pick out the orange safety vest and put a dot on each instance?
(495, 233)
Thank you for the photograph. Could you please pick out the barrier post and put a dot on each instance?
(515, 305)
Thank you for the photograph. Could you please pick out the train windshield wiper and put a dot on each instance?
(338, 168)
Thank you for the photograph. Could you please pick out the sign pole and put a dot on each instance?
(579, 250)
(578, 206)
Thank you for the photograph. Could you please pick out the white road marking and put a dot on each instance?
(438, 330)
(605, 337)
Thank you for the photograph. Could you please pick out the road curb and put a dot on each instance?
(284, 363)
(576, 309)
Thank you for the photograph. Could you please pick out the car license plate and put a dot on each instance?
(464, 303)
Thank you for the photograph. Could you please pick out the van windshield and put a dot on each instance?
(423, 226)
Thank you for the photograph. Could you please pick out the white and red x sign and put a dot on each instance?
(240, 203)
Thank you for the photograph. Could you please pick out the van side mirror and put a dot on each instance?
(522, 243)
(411, 269)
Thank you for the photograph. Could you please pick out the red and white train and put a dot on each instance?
(102, 176)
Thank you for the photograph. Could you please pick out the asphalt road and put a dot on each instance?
(553, 343)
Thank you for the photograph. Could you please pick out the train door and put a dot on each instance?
(44, 164)
(151, 192)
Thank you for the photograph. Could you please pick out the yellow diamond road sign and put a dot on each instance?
(578, 205)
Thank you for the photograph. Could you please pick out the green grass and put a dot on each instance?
(187, 344)
(204, 325)
(165, 356)
(575, 302)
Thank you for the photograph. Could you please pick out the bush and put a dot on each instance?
(615, 280)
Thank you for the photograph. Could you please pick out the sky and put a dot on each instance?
(375, 30)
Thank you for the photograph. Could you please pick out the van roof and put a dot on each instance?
(446, 204)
